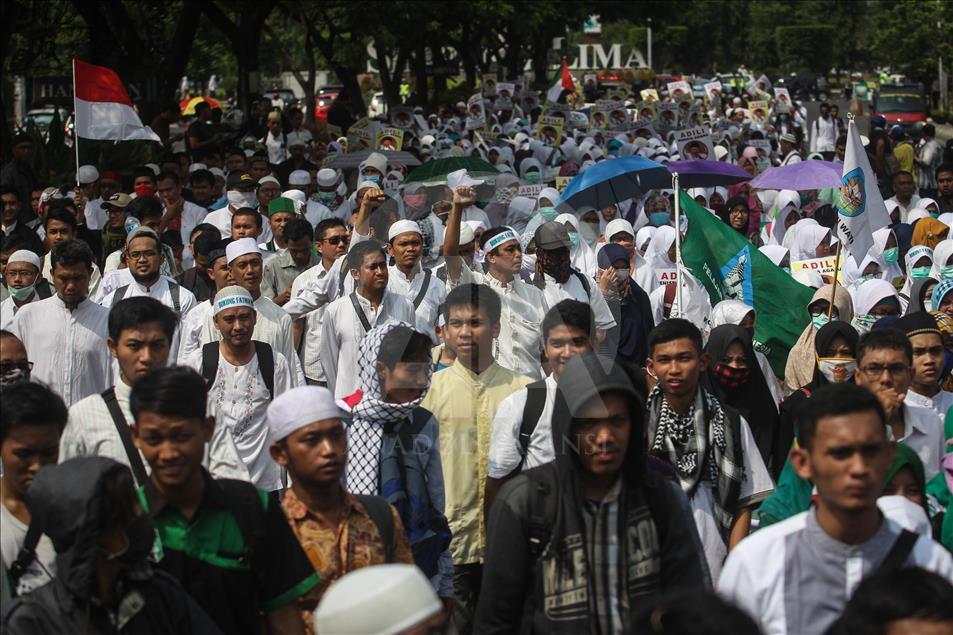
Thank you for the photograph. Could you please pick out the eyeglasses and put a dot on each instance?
(874, 371)
(9, 367)
(137, 255)
(335, 240)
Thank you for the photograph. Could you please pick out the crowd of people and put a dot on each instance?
(247, 391)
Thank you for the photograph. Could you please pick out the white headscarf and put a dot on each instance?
(657, 254)
(775, 253)
(643, 236)
(549, 193)
(881, 236)
(871, 293)
(787, 203)
(808, 238)
(916, 253)
(729, 312)
(582, 255)
(941, 254)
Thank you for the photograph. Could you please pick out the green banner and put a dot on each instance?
(731, 268)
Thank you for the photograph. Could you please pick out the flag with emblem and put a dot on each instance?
(860, 207)
(731, 268)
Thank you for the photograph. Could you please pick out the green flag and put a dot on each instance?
(731, 268)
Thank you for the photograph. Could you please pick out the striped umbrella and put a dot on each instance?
(187, 106)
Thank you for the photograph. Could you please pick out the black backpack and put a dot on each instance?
(266, 364)
(532, 409)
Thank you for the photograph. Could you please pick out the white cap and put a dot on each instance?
(232, 296)
(197, 166)
(365, 184)
(617, 225)
(241, 247)
(327, 177)
(217, 172)
(299, 177)
(466, 234)
(721, 152)
(88, 174)
(460, 178)
(295, 195)
(383, 599)
(24, 255)
(268, 179)
(404, 226)
(377, 161)
(154, 167)
(298, 407)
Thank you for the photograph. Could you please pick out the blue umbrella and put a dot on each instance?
(612, 181)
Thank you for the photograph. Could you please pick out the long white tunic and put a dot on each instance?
(342, 332)
(238, 399)
(8, 309)
(572, 289)
(68, 348)
(409, 288)
(310, 348)
(91, 432)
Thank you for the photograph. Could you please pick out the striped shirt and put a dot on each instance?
(604, 553)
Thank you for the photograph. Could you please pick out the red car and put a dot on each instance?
(323, 101)
(900, 104)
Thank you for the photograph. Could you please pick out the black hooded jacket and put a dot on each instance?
(548, 588)
(66, 500)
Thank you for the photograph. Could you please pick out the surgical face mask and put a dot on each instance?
(504, 195)
(657, 219)
(375, 179)
(863, 323)
(621, 275)
(589, 231)
(946, 272)
(21, 294)
(574, 238)
(820, 320)
(529, 262)
(869, 276)
(837, 369)
(533, 177)
(548, 213)
(238, 200)
(327, 197)
(919, 272)
(892, 255)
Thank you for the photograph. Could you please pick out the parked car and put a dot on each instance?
(42, 116)
(900, 104)
(323, 101)
(280, 97)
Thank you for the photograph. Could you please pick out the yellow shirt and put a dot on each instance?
(464, 405)
(904, 154)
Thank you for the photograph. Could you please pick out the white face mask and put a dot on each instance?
(837, 369)
(622, 275)
(238, 200)
(529, 262)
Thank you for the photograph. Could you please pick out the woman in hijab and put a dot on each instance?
(740, 314)
(778, 255)
(735, 214)
(735, 377)
(941, 299)
(799, 369)
(659, 258)
(943, 261)
(929, 232)
(531, 171)
(581, 254)
(629, 305)
(835, 353)
(928, 204)
(906, 477)
(920, 295)
(874, 299)
(813, 241)
(788, 204)
(643, 237)
(590, 228)
(888, 248)
(717, 198)
(497, 210)
(919, 264)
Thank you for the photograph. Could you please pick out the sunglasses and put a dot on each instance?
(335, 240)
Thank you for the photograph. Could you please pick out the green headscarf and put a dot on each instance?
(906, 457)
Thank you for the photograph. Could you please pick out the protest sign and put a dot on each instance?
(476, 115)
(758, 112)
(549, 130)
(489, 85)
(679, 91)
(402, 116)
(694, 143)
(665, 276)
(783, 98)
(824, 266)
(649, 94)
(504, 95)
(562, 182)
(390, 139)
(667, 118)
(713, 91)
(359, 135)
(530, 191)
(763, 146)
(646, 110)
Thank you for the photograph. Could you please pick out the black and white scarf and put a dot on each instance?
(705, 444)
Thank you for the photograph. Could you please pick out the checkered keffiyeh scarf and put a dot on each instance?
(705, 444)
(372, 416)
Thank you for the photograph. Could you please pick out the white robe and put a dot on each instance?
(68, 348)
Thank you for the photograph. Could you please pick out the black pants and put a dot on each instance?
(467, 579)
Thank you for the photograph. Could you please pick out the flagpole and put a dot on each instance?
(75, 129)
(678, 246)
(830, 309)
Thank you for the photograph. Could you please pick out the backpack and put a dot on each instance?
(532, 410)
(266, 364)
(584, 280)
(379, 510)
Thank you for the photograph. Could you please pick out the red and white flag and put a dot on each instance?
(565, 82)
(103, 108)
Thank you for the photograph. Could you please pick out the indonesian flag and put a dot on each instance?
(860, 207)
(103, 108)
(565, 82)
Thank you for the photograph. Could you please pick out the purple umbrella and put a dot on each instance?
(700, 173)
(805, 175)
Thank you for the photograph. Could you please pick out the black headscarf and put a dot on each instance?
(752, 399)
(822, 341)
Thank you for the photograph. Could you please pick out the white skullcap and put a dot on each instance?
(366, 184)
(88, 174)
(617, 225)
(241, 247)
(154, 167)
(217, 172)
(721, 153)
(231, 297)
(24, 255)
(298, 407)
(466, 234)
(295, 195)
(197, 166)
(476, 224)
(375, 160)
(268, 179)
(327, 177)
(382, 599)
(404, 226)
(299, 177)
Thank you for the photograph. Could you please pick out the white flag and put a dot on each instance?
(860, 207)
